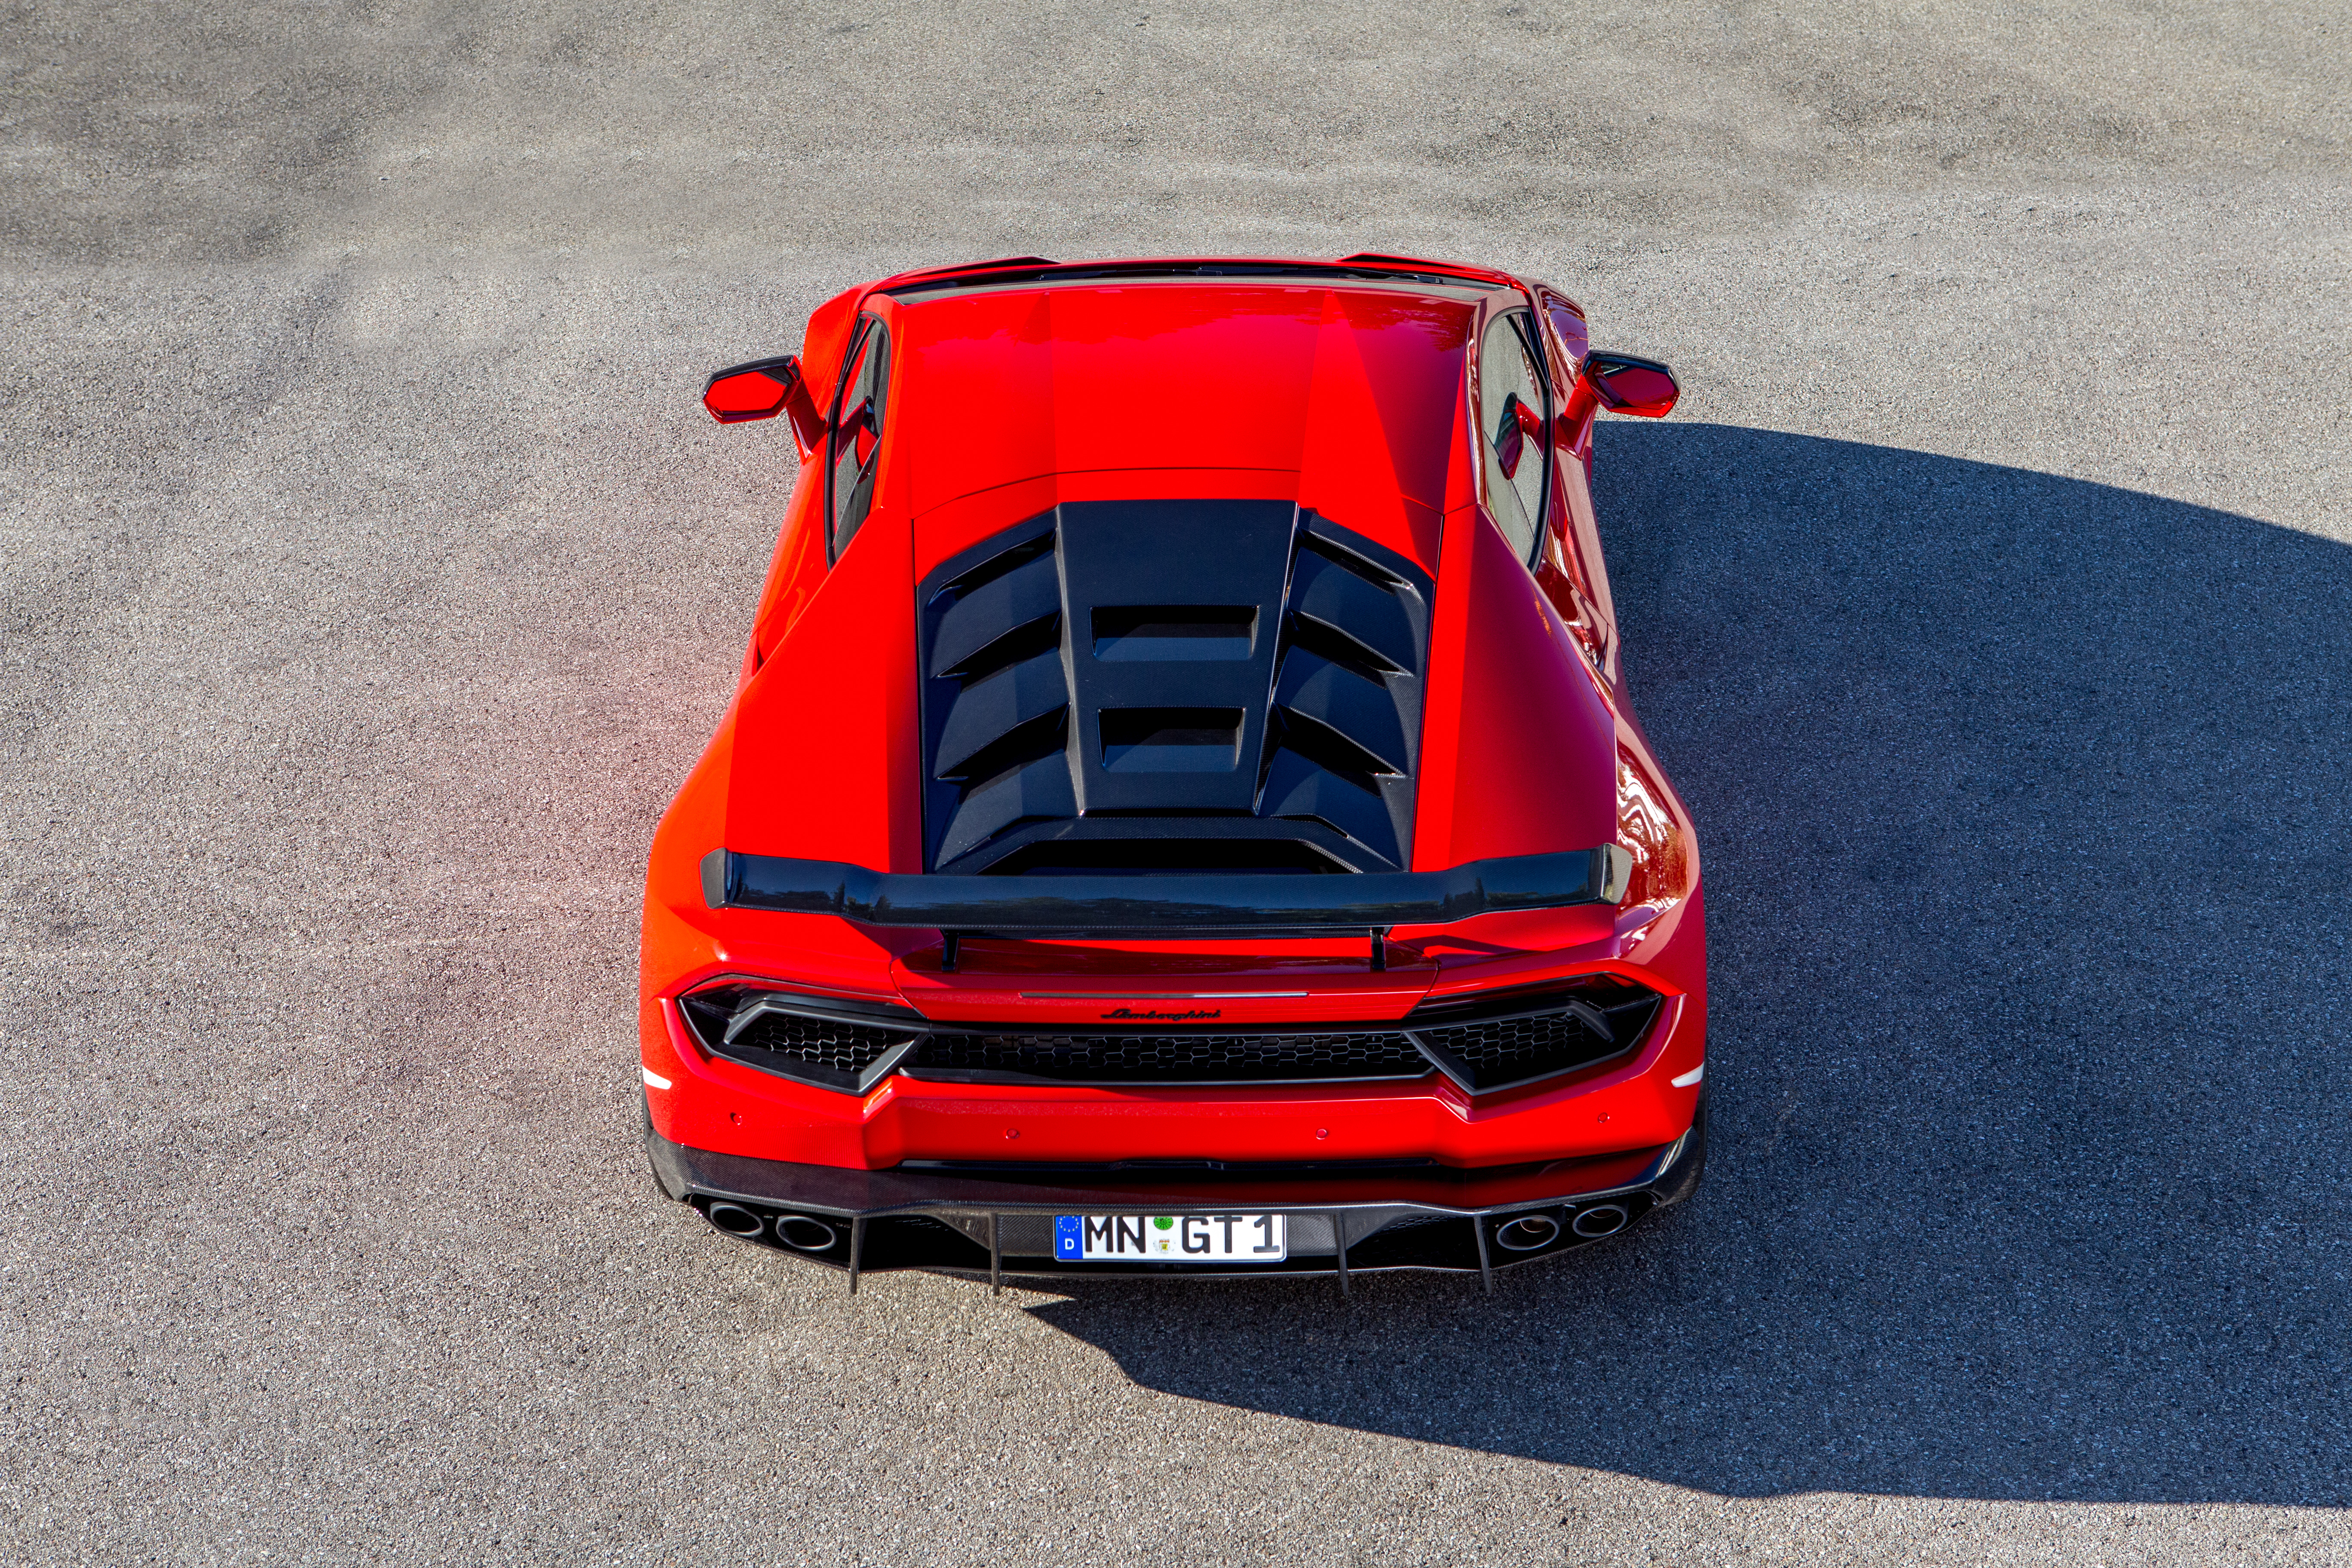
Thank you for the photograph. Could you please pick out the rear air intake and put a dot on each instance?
(813, 1039)
(1499, 1040)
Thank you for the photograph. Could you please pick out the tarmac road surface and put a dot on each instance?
(369, 577)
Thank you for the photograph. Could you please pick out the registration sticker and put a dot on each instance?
(1170, 1239)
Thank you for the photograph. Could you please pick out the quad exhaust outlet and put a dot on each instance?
(735, 1219)
(1527, 1233)
(1600, 1220)
(800, 1232)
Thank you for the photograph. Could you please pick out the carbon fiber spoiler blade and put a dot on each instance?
(1220, 901)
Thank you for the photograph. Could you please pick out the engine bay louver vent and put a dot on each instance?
(1348, 695)
(996, 694)
(1141, 687)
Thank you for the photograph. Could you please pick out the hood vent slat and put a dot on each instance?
(996, 708)
(1345, 702)
(1348, 602)
(1001, 605)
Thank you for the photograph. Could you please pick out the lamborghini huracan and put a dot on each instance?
(1181, 812)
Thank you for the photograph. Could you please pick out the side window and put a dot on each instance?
(858, 434)
(1515, 428)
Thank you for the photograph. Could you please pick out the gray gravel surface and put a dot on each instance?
(369, 576)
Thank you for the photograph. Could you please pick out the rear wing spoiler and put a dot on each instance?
(1203, 904)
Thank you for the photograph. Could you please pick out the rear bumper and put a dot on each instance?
(711, 1104)
(981, 1220)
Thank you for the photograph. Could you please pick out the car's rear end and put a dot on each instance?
(1167, 826)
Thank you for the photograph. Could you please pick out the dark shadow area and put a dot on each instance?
(2023, 805)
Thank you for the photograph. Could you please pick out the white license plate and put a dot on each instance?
(1170, 1239)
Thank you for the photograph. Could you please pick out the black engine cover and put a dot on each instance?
(1172, 685)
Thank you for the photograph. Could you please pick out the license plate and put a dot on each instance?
(1170, 1239)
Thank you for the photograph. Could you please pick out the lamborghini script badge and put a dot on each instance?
(1130, 1015)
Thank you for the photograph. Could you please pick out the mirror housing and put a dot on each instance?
(1623, 384)
(761, 390)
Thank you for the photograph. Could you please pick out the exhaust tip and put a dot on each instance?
(734, 1219)
(802, 1234)
(1600, 1220)
(1528, 1232)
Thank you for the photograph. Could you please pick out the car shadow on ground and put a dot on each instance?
(2023, 805)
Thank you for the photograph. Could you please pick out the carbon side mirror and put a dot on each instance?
(761, 390)
(1625, 385)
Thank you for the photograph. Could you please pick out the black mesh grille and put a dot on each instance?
(1522, 1047)
(845, 1048)
(749, 1025)
(1173, 1058)
(1496, 1041)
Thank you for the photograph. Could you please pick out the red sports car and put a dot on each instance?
(1180, 810)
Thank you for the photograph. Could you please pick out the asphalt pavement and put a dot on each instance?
(369, 576)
